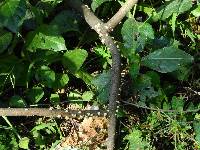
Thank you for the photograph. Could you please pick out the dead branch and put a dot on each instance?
(48, 112)
(102, 29)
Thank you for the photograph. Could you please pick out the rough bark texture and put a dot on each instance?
(48, 112)
(103, 30)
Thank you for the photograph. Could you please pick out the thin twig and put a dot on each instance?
(162, 110)
(112, 23)
(102, 29)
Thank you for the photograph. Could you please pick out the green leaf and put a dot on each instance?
(5, 40)
(86, 77)
(173, 22)
(88, 95)
(17, 101)
(45, 37)
(12, 13)
(13, 70)
(69, 23)
(134, 70)
(61, 80)
(23, 143)
(177, 103)
(136, 141)
(196, 125)
(102, 83)
(155, 78)
(96, 3)
(136, 34)
(74, 59)
(35, 94)
(182, 73)
(55, 99)
(196, 11)
(46, 76)
(175, 6)
(167, 59)
(145, 89)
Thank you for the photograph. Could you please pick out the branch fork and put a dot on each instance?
(103, 30)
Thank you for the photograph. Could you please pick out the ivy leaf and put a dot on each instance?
(167, 59)
(35, 94)
(136, 34)
(45, 37)
(70, 23)
(5, 40)
(74, 59)
(12, 13)
(96, 3)
(46, 76)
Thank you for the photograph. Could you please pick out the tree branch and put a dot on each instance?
(48, 112)
(102, 29)
(116, 19)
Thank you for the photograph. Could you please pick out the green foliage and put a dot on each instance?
(136, 141)
(167, 59)
(23, 143)
(45, 38)
(50, 129)
(46, 76)
(70, 23)
(175, 6)
(12, 13)
(96, 3)
(8, 140)
(49, 55)
(196, 11)
(35, 94)
(17, 101)
(135, 35)
(74, 59)
(5, 39)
